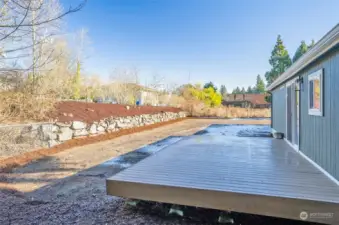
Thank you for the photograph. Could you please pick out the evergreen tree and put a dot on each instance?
(279, 60)
(302, 49)
(236, 91)
(268, 98)
(249, 90)
(243, 91)
(223, 91)
(260, 85)
(210, 84)
(312, 44)
(77, 82)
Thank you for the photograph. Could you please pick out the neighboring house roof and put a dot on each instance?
(255, 99)
(330, 40)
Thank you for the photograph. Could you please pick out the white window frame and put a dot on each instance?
(317, 75)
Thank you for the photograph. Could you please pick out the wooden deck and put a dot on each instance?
(254, 175)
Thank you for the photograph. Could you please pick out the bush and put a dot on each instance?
(207, 103)
(207, 95)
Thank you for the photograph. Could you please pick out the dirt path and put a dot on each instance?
(69, 187)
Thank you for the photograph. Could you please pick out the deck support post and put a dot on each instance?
(176, 210)
(132, 202)
(225, 218)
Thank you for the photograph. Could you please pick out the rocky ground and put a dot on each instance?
(69, 187)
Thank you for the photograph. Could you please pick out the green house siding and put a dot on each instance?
(279, 110)
(319, 135)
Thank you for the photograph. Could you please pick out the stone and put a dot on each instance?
(34, 127)
(60, 124)
(122, 125)
(46, 128)
(101, 129)
(52, 143)
(65, 134)
(47, 136)
(103, 124)
(112, 126)
(93, 129)
(55, 128)
(78, 133)
(78, 125)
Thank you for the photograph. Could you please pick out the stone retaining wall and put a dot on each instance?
(50, 134)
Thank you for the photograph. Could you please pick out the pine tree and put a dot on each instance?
(249, 90)
(236, 91)
(77, 82)
(210, 84)
(302, 49)
(243, 91)
(223, 91)
(260, 85)
(279, 60)
(311, 45)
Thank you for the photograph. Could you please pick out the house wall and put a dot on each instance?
(319, 135)
(279, 110)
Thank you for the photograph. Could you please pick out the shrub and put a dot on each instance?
(207, 95)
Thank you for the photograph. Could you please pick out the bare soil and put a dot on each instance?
(8, 164)
(90, 112)
(69, 187)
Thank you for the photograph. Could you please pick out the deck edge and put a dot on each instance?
(287, 208)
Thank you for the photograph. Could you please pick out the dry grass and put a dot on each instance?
(28, 98)
(23, 106)
(171, 100)
(196, 108)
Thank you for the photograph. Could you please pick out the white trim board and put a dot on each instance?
(313, 163)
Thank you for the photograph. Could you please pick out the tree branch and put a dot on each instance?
(21, 22)
(69, 11)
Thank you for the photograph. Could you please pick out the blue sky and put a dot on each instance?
(227, 42)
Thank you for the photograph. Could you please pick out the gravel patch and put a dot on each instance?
(101, 209)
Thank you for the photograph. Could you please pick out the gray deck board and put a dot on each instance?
(213, 165)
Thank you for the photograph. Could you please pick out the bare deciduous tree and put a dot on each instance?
(34, 60)
(27, 29)
(124, 87)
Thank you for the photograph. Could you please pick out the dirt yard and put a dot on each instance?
(90, 112)
(69, 187)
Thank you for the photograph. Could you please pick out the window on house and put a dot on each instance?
(315, 98)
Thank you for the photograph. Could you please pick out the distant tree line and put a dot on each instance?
(279, 60)
(258, 88)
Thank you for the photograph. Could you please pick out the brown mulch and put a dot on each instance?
(6, 165)
(90, 112)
